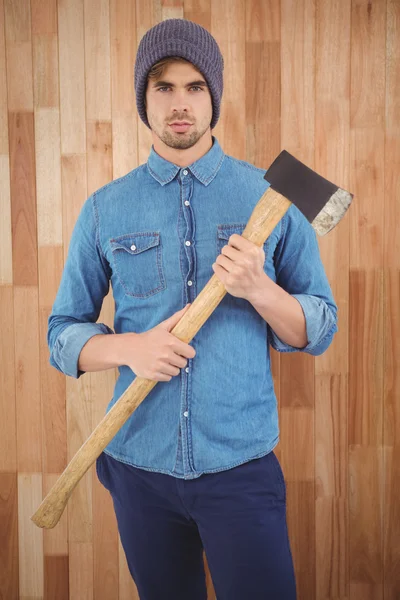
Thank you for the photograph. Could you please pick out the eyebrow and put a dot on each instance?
(169, 84)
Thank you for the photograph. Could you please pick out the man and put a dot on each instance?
(194, 465)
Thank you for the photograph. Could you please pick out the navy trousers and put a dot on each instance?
(238, 516)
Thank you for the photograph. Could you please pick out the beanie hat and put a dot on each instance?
(180, 37)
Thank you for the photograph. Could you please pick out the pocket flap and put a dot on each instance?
(134, 243)
(224, 232)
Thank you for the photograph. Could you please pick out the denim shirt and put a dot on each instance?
(154, 234)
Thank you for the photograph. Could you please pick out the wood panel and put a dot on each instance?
(9, 563)
(71, 68)
(391, 303)
(123, 108)
(332, 131)
(27, 380)
(297, 396)
(30, 537)
(316, 77)
(367, 137)
(8, 426)
(23, 198)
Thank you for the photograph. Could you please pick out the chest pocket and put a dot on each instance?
(138, 264)
(224, 232)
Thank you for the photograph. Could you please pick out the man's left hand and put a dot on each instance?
(240, 267)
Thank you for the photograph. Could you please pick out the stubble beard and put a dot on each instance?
(173, 139)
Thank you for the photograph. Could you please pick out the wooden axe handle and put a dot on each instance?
(266, 214)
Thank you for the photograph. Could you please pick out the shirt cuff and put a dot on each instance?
(69, 344)
(320, 326)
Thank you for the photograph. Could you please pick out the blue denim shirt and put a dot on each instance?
(155, 233)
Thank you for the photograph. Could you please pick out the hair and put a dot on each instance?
(159, 68)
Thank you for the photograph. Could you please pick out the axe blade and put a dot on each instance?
(321, 202)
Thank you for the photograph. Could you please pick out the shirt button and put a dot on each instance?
(185, 414)
(190, 282)
(187, 243)
(185, 172)
(187, 202)
(187, 369)
(133, 247)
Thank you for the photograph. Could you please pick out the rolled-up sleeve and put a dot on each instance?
(300, 272)
(84, 283)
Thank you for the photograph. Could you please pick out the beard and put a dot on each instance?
(177, 140)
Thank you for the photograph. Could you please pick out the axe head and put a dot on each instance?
(320, 201)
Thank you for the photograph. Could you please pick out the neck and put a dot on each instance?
(183, 158)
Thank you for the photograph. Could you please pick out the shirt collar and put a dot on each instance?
(204, 169)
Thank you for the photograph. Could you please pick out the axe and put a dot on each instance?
(322, 203)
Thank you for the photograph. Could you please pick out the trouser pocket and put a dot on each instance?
(279, 473)
(100, 469)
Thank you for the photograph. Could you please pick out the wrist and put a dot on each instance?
(264, 293)
(122, 345)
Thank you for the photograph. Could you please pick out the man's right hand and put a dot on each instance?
(156, 354)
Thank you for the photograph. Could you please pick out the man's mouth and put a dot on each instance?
(180, 127)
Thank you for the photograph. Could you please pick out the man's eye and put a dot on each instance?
(166, 87)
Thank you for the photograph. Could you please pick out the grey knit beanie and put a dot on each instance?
(180, 37)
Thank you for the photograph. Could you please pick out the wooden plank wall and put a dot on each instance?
(320, 78)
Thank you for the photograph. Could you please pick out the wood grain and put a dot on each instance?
(97, 60)
(23, 199)
(19, 55)
(231, 129)
(9, 564)
(27, 381)
(105, 544)
(81, 570)
(30, 538)
(55, 541)
(391, 313)
(332, 131)
(45, 74)
(71, 68)
(56, 569)
(79, 427)
(52, 387)
(44, 16)
(3, 87)
(320, 79)
(48, 176)
(123, 108)
(8, 427)
(296, 115)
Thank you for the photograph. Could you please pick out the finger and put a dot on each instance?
(183, 349)
(231, 252)
(178, 361)
(238, 241)
(219, 272)
(225, 263)
(161, 376)
(169, 369)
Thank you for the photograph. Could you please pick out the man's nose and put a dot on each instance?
(180, 101)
